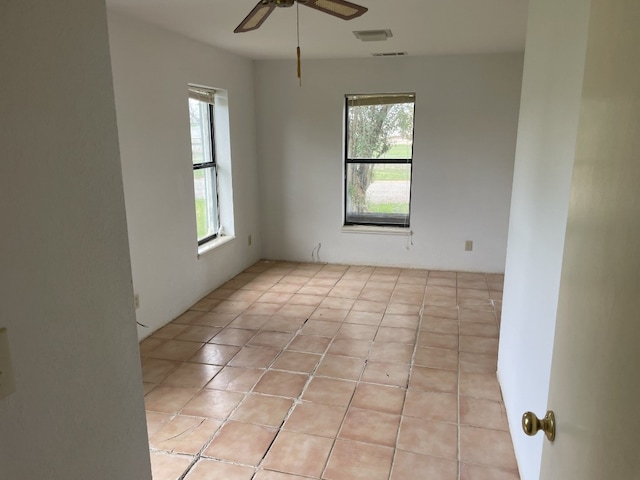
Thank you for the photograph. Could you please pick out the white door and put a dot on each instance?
(595, 375)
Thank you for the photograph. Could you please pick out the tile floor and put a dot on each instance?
(310, 371)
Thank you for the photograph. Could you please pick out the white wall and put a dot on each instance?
(151, 71)
(65, 280)
(551, 91)
(465, 129)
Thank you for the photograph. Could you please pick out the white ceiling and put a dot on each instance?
(420, 27)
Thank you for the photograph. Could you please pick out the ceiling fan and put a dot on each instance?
(337, 8)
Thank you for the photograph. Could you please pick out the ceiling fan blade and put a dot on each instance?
(256, 17)
(337, 8)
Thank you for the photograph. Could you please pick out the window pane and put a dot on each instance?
(200, 132)
(204, 181)
(378, 193)
(380, 131)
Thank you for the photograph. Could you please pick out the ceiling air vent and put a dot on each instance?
(390, 54)
(373, 35)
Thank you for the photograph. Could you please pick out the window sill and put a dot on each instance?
(405, 231)
(213, 244)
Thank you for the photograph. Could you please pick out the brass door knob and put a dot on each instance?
(531, 424)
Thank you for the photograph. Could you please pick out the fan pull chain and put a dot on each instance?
(298, 49)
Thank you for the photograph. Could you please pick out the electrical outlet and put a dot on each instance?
(7, 382)
(136, 300)
(468, 246)
(249, 240)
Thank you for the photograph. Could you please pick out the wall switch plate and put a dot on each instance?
(468, 246)
(7, 382)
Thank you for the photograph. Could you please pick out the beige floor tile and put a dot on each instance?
(437, 358)
(402, 309)
(306, 299)
(207, 469)
(335, 366)
(427, 437)
(478, 412)
(155, 421)
(275, 297)
(369, 306)
(443, 312)
(309, 344)
(478, 362)
(169, 467)
(478, 472)
(213, 319)
(235, 379)
(399, 335)
(391, 352)
(263, 308)
(191, 375)
(214, 354)
(440, 325)
(249, 321)
(369, 426)
(477, 316)
(350, 347)
(262, 410)
(487, 447)
(196, 333)
(364, 318)
(213, 404)
(431, 406)
(297, 362)
(316, 419)
(229, 306)
(301, 311)
(164, 399)
(271, 475)
(254, 357)
(271, 339)
(184, 434)
(437, 340)
(175, 350)
(277, 323)
(358, 332)
(329, 391)
(188, 317)
(400, 321)
(282, 384)
(406, 465)
(386, 373)
(320, 328)
(234, 337)
(378, 398)
(241, 442)
(434, 380)
(169, 331)
(483, 345)
(480, 385)
(358, 461)
(298, 454)
(155, 370)
(317, 289)
(329, 314)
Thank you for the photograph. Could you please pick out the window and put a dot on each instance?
(203, 154)
(378, 157)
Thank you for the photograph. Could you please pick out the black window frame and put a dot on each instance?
(210, 165)
(376, 220)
